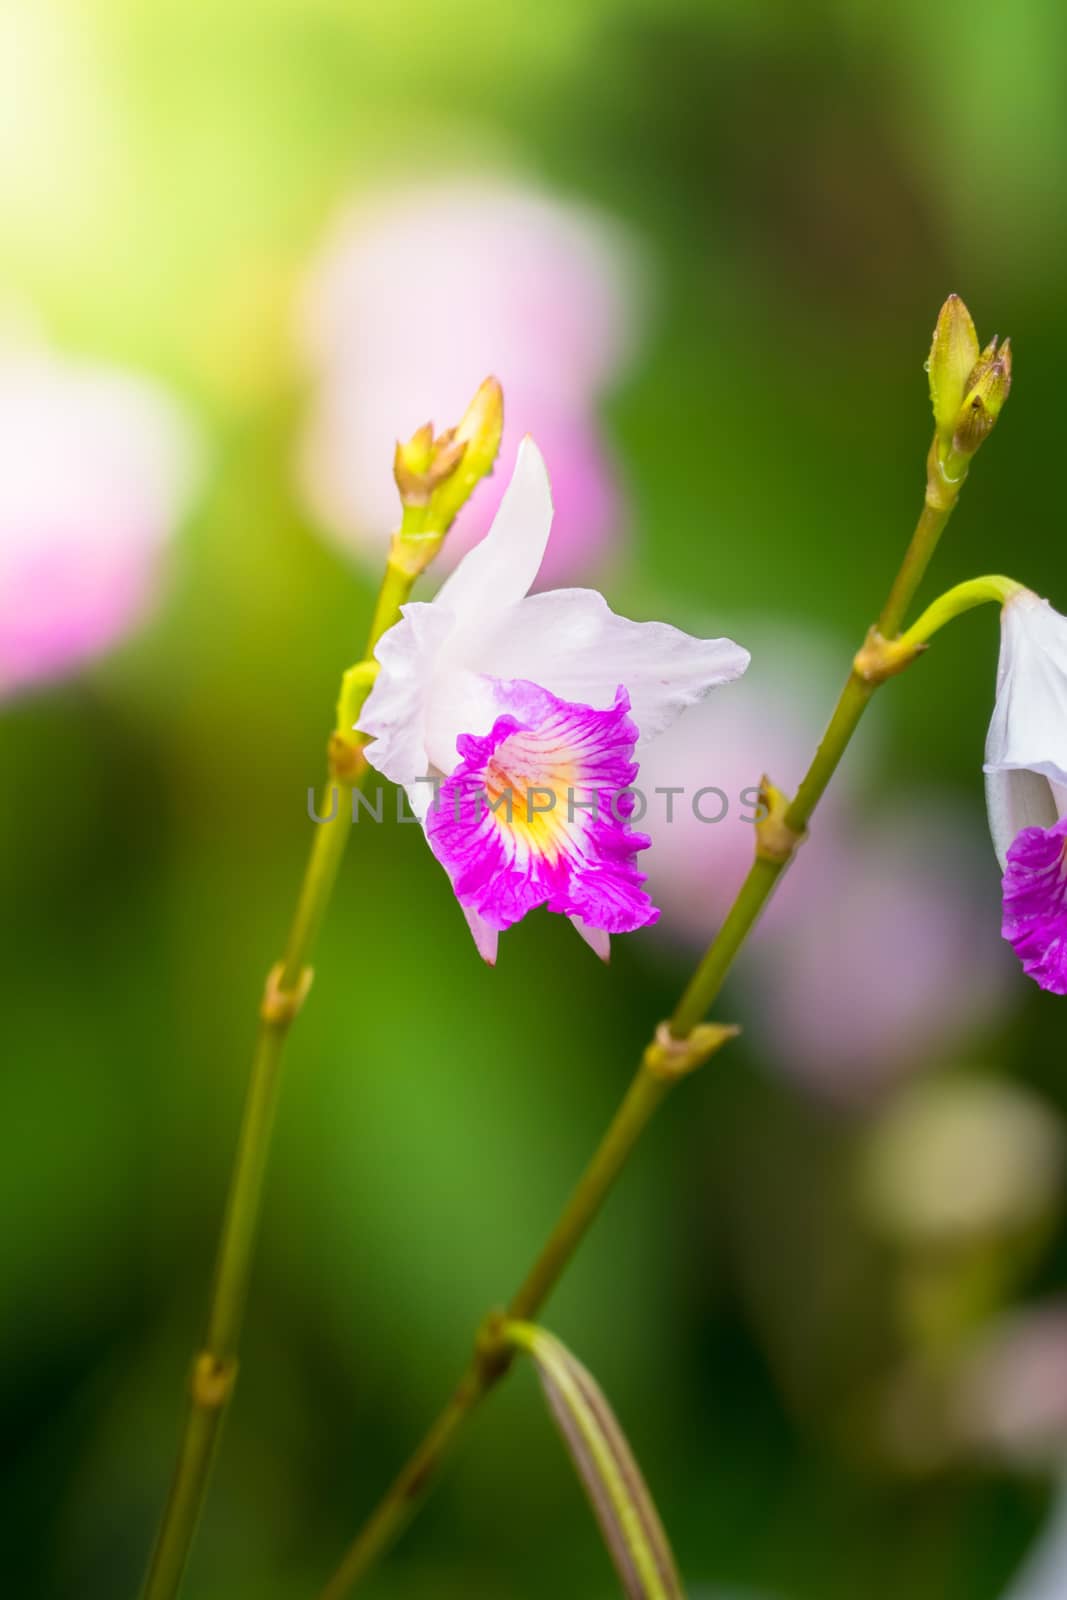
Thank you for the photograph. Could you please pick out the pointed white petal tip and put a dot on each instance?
(498, 572)
(742, 660)
(531, 474)
(598, 940)
(486, 939)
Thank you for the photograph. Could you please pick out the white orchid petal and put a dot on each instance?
(395, 711)
(498, 572)
(574, 645)
(1017, 798)
(598, 939)
(1029, 725)
(485, 937)
(421, 794)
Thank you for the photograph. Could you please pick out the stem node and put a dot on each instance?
(212, 1381)
(881, 658)
(280, 1006)
(493, 1354)
(775, 839)
(669, 1058)
(346, 759)
(942, 487)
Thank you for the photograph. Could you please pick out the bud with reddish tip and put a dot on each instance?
(423, 463)
(440, 473)
(436, 476)
(968, 388)
(988, 386)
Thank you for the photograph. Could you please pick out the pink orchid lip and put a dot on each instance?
(1035, 904)
(537, 813)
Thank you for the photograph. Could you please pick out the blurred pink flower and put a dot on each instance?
(880, 948)
(1012, 1394)
(894, 959)
(95, 466)
(770, 723)
(417, 296)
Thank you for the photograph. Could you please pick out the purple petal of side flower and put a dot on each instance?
(536, 814)
(1035, 904)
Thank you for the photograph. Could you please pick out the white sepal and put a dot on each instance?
(1026, 747)
(1016, 799)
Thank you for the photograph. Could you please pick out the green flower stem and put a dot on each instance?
(489, 1362)
(990, 590)
(405, 1494)
(647, 1090)
(412, 547)
(644, 1095)
(215, 1369)
(764, 873)
(708, 979)
(919, 554)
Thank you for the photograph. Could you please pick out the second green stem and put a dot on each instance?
(646, 1092)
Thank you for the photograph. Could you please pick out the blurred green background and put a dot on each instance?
(804, 184)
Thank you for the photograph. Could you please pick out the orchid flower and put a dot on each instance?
(1026, 785)
(523, 712)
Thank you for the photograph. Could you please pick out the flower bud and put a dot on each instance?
(423, 463)
(437, 476)
(953, 355)
(477, 440)
(988, 386)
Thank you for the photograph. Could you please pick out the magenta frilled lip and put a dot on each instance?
(537, 813)
(1035, 904)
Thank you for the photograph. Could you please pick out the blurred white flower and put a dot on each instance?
(420, 293)
(961, 1159)
(95, 469)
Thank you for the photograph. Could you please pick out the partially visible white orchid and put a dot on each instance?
(1026, 784)
(1043, 1575)
(524, 711)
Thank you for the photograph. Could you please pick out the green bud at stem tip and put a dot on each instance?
(436, 476)
(953, 355)
(968, 388)
(478, 437)
(988, 387)
(423, 462)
